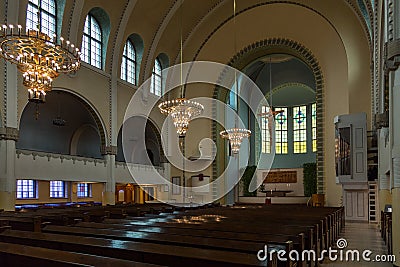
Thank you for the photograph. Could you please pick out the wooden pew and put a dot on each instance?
(169, 255)
(18, 255)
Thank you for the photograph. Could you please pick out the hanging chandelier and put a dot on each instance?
(182, 111)
(235, 135)
(39, 57)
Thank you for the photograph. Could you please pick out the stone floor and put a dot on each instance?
(361, 236)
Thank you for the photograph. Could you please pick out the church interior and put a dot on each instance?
(199, 133)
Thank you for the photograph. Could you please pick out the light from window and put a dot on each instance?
(265, 130)
(281, 131)
(300, 129)
(26, 189)
(156, 78)
(92, 42)
(84, 190)
(47, 10)
(57, 189)
(314, 126)
(128, 67)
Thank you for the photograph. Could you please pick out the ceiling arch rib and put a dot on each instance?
(154, 43)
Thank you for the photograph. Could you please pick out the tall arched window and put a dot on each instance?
(300, 129)
(46, 10)
(265, 130)
(314, 126)
(281, 131)
(156, 78)
(128, 66)
(92, 42)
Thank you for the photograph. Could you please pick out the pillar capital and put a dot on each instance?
(109, 150)
(9, 133)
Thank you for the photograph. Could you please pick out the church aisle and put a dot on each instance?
(362, 236)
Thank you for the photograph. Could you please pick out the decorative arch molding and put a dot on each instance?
(279, 46)
(256, 6)
(156, 38)
(285, 85)
(116, 44)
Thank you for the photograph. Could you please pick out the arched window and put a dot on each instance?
(281, 131)
(300, 129)
(314, 126)
(92, 42)
(156, 78)
(46, 10)
(265, 130)
(128, 66)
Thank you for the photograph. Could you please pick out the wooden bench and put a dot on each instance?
(163, 254)
(18, 255)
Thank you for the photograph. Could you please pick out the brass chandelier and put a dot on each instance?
(39, 57)
(235, 135)
(181, 110)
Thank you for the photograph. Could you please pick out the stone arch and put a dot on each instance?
(93, 111)
(152, 140)
(281, 46)
(85, 104)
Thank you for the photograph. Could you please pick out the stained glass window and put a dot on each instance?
(92, 42)
(26, 189)
(300, 129)
(156, 78)
(265, 131)
(48, 18)
(314, 126)
(128, 66)
(281, 131)
(84, 190)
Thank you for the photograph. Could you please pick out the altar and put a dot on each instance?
(276, 193)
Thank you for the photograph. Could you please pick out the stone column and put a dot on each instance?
(395, 140)
(384, 194)
(8, 136)
(109, 188)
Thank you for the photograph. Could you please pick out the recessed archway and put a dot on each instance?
(151, 154)
(65, 124)
(280, 46)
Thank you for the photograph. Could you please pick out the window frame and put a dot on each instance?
(56, 194)
(34, 190)
(300, 129)
(42, 11)
(125, 63)
(155, 75)
(314, 127)
(281, 132)
(266, 141)
(91, 39)
(87, 193)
